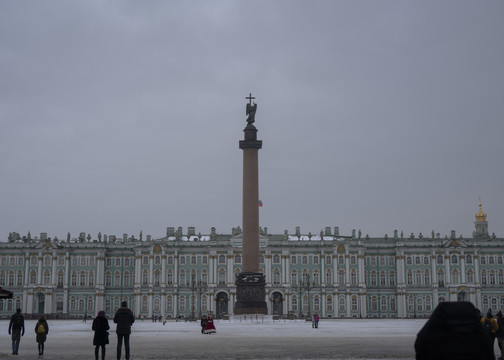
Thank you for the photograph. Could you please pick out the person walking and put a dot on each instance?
(500, 334)
(41, 329)
(16, 329)
(203, 323)
(101, 335)
(209, 326)
(316, 319)
(124, 319)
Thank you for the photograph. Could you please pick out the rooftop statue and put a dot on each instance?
(251, 109)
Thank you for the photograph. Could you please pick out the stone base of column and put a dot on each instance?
(250, 293)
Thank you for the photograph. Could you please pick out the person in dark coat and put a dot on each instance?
(453, 332)
(16, 329)
(500, 334)
(203, 323)
(41, 329)
(124, 319)
(101, 335)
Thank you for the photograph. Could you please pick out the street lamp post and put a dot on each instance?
(199, 287)
(304, 286)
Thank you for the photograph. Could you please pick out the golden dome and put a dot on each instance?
(480, 216)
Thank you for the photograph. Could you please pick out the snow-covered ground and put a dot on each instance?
(267, 339)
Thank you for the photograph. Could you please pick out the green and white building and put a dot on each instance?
(338, 276)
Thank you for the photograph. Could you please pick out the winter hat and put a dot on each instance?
(101, 313)
(499, 313)
(124, 304)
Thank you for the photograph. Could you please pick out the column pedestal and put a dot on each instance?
(250, 293)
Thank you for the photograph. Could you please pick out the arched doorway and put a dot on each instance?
(222, 305)
(277, 301)
(462, 296)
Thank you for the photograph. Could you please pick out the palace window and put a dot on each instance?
(170, 260)
(341, 277)
(222, 259)
(383, 277)
(83, 261)
(329, 304)
(126, 279)
(341, 260)
(469, 259)
(410, 278)
(108, 279)
(47, 260)
(353, 259)
(409, 261)
(428, 303)
(501, 277)
(417, 260)
(382, 261)
(20, 261)
(145, 304)
(440, 259)
(383, 304)
(157, 277)
(20, 278)
(204, 277)
(392, 278)
(276, 277)
(315, 260)
(491, 260)
(276, 259)
(91, 278)
(454, 259)
(82, 278)
(92, 261)
(73, 278)
(182, 301)
(470, 276)
(373, 278)
(353, 277)
(222, 277)
(11, 278)
(81, 305)
(316, 304)
(499, 260)
(328, 260)
(182, 260)
(108, 262)
(47, 277)
(145, 278)
(392, 304)
(169, 277)
(484, 277)
(261, 258)
(182, 278)
(418, 277)
(156, 305)
(328, 277)
(354, 303)
(455, 277)
(316, 278)
(293, 260)
(440, 278)
(483, 260)
(427, 277)
(341, 304)
(145, 260)
(294, 304)
(169, 304)
(492, 277)
(374, 304)
(33, 260)
(294, 278)
(117, 279)
(238, 259)
(193, 260)
(304, 260)
(204, 260)
(127, 262)
(391, 261)
(73, 303)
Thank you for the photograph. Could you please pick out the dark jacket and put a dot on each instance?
(124, 319)
(41, 337)
(17, 323)
(100, 327)
(453, 332)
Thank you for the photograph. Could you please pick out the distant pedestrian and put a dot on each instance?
(164, 319)
(41, 329)
(209, 326)
(101, 335)
(124, 318)
(316, 319)
(16, 329)
(500, 334)
(203, 323)
(84, 318)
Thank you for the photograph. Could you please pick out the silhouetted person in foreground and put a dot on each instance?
(124, 319)
(16, 329)
(453, 331)
(101, 335)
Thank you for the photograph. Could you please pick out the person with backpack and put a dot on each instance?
(41, 329)
(101, 335)
(16, 329)
(500, 334)
(490, 326)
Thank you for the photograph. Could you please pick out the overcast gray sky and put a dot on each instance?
(122, 116)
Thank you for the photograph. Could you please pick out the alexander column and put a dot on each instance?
(250, 283)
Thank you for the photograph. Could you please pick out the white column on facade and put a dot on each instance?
(462, 268)
(230, 267)
(151, 269)
(138, 269)
(39, 268)
(65, 283)
(322, 272)
(286, 268)
(267, 260)
(349, 305)
(447, 269)
(477, 282)
(323, 304)
(335, 270)
(27, 269)
(347, 270)
(176, 273)
(163, 269)
(54, 276)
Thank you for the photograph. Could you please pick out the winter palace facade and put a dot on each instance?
(185, 275)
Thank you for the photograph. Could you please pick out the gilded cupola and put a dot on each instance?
(480, 215)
